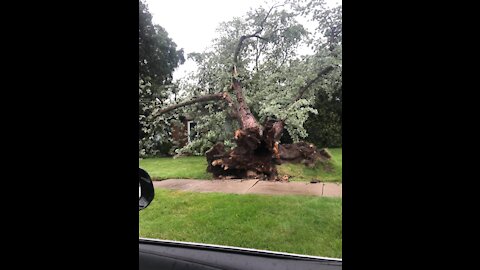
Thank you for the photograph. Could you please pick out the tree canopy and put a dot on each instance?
(158, 54)
(284, 54)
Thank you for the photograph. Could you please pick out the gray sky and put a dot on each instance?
(192, 23)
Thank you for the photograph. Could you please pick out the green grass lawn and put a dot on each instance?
(331, 172)
(184, 167)
(296, 224)
(195, 168)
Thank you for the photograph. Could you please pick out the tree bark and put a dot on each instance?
(247, 120)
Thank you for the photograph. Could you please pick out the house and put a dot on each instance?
(184, 133)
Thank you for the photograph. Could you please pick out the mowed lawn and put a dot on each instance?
(195, 168)
(179, 168)
(296, 224)
(329, 172)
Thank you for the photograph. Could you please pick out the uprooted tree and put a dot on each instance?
(255, 63)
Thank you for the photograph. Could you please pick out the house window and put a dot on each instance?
(191, 130)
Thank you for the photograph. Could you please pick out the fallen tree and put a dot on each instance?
(258, 149)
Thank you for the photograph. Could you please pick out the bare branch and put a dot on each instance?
(237, 50)
(268, 14)
(259, 37)
(218, 96)
(303, 89)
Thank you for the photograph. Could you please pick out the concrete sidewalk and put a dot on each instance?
(253, 187)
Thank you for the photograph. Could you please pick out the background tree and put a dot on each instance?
(158, 57)
(325, 128)
(158, 54)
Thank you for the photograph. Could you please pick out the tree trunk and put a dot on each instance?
(254, 156)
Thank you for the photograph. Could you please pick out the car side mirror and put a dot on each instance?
(146, 191)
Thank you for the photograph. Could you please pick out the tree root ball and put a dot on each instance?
(257, 154)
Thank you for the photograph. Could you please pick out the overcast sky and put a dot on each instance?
(192, 23)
